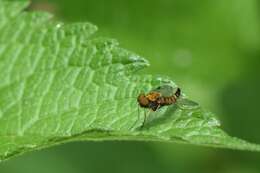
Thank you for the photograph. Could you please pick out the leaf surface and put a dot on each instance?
(61, 83)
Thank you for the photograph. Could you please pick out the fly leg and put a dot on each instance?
(145, 117)
(138, 112)
(150, 110)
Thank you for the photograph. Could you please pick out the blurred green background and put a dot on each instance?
(210, 48)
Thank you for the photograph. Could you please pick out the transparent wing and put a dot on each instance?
(188, 105)
(185, 103)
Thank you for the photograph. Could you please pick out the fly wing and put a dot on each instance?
(166, 90)
(185, 103)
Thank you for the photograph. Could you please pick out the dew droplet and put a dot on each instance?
(214, 122)
(134, 58)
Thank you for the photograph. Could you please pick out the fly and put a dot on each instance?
(156, 99)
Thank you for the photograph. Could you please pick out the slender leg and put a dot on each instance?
(138, 112)
(158, 107)
(145, 115)
(144, 119)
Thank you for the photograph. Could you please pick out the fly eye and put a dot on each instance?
(142, 100)
(145, 101)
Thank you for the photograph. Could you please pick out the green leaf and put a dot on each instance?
(60, 83)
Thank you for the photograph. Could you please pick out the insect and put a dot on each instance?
(161, 96)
